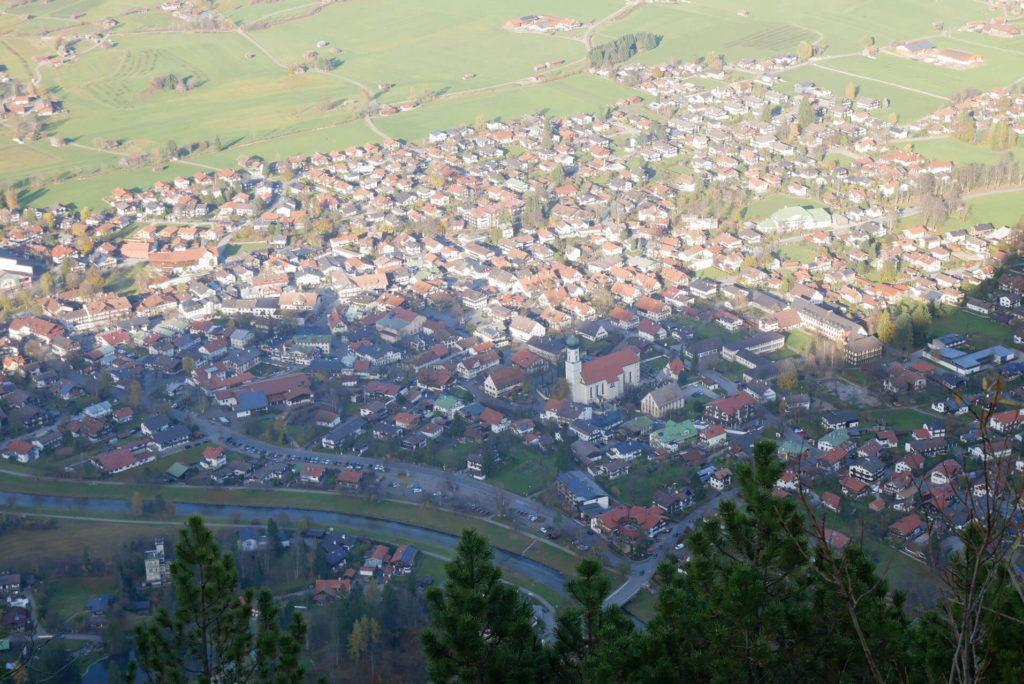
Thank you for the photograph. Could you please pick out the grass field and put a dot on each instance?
(571, 95)
(530, 470)
(907, 104)
(247, 98)
(776, 26)
(901, 419)
(769, 204)
(960, 152)
(798, 251)
(642, 606)
(981, 331)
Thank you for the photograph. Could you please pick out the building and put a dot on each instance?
(732, 410)
(157, 567)
(580, 490)
(605, 378)
(660, 401)
(862, 348)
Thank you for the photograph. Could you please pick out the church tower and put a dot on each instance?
(573, 366)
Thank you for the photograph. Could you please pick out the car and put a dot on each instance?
(394, 484)
(417, 490)
(679, 546)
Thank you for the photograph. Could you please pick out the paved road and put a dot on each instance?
(641, 573)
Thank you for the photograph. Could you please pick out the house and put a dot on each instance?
(349, 479)
(721, 479)
(213, 457)
(908, 527)
(868, 469)
(732, 411)
(21, 451)
(503, 381)
(311, 473)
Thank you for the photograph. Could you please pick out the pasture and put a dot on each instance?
(242, 91)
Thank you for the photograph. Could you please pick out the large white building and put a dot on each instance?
(602, 379)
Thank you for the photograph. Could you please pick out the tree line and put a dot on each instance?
(764, 598)
(622, 48)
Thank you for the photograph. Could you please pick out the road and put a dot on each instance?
(458, 486)
(641, 573)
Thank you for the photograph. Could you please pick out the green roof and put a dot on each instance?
(788, 447)
(676, 432)
(177, 470)
(446, 402)
(836, 437)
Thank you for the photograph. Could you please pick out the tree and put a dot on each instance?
(758, 603)
(884, 327)
(602, 300)
(481, 629)
(46, 283)
(136, 504)
(851, 90)
(804, 50)
(867, 41)
(212, 637)
(188, 364)
(787, 380)
(134, 394)
(903, 332)
(594, 642)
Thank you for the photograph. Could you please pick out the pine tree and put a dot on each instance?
(595, 643)
(210, 637)
(741, 610)
(481, 628)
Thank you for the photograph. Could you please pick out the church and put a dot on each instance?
(602, 379)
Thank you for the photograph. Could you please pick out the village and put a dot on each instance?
(578, 311)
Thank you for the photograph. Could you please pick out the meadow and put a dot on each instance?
(245, 95)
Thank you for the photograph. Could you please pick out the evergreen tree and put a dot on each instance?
(741, 611)
(211, 636)
(595, 643)
(481, 627)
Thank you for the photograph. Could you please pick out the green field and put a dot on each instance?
(571, 95)
(960, 152)
(777, 26)
(768, 205)
(243, 92)
(981, 331)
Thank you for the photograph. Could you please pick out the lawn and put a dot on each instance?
(66, 598)
(900, 419)
(982, 331)
(645, 478)
(798, 251)
(775, 201)
(529, 471)
(642, 606)
(959, 152)
(798, 340)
